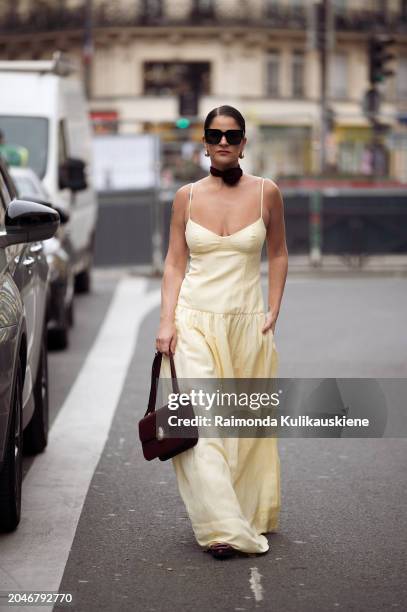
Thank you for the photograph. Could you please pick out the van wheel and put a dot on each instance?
(36, 432)
(11, 475)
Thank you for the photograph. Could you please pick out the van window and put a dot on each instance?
(31, 133)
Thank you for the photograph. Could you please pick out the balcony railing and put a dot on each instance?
(43, 16)
(363, 20)
(114, 13)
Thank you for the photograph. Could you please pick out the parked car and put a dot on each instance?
(23, 347)
(43, 110)
(59, 253)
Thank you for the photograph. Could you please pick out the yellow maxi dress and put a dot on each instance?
(230, 486)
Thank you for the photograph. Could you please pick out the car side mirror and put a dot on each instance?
(72, 174)
(63, 214)
(27, 221)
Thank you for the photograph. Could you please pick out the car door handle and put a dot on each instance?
(36, 247)
(28, 261)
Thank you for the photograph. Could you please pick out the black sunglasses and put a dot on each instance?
(233, 137)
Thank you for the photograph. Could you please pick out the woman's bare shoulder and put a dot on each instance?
(254, 179)
(185, 189)
(271, 188)
(181, 199)
(180, 202)
(272, 193)
(268, 183)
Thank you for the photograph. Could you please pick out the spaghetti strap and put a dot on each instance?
(190, 198)
(261, 199)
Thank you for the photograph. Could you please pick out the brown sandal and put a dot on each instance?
(221, 550)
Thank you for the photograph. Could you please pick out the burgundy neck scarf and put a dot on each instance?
(229, 176)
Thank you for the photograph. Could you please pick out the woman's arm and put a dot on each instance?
(276, 252)
(174, 272)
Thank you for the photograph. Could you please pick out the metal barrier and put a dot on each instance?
(133, 227)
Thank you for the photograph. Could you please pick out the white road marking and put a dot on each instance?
(34, 557)
(255, 583)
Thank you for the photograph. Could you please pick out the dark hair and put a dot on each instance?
(228, 111)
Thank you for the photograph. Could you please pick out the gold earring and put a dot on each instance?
(241, 155)
(206, 153)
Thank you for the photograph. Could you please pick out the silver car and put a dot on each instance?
(23, 347)
(58, 251)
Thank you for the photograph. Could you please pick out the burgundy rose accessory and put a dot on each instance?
(230, 176)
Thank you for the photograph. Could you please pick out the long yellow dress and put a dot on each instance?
(230, 486)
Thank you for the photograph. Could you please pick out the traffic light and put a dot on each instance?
(182, 132)
(183, 123)
(378, 58)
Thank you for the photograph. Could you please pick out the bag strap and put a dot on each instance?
(155, 374)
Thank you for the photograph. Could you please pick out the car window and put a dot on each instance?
(26, 187)
(4, 199)
(30, 133)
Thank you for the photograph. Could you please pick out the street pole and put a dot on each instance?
(157, 212)
(157, 235)
(323, 93)
(87, 52)
(319, 40)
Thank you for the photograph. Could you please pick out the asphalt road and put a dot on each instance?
(105, 525)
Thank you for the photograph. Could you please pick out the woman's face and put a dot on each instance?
(224, 155)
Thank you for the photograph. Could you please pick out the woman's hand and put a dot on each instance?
(270, 322)
(166, 339)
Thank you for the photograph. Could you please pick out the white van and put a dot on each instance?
(43, 109)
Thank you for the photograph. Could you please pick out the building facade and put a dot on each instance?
(148, 62)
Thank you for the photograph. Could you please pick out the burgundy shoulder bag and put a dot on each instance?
(157, 437)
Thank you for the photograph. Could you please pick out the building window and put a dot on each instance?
(151, 10)
(203, 9)
(338, 76)
(285, 151)
(272, 74)
(401, 78)
(165, 78)
(339, 5)
(298, 74)
(189, 81)
(270, 7)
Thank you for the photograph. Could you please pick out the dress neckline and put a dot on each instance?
(228, 235)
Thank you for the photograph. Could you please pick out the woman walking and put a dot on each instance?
(214, 322)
